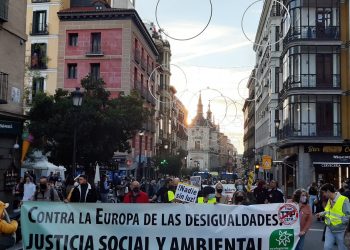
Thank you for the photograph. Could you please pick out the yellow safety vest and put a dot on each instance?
(334, 214)
(210, 201)
(171, 196)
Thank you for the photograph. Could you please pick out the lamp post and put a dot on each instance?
(77, 98)
(141, 133)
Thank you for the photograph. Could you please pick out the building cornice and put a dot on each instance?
(109, 14)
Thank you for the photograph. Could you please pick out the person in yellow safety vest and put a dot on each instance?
(336, 214)
(208, 196)
(172, 191)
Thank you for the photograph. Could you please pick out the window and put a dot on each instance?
(4, 6)
(95, 71)
(72, 71)
(3, 87)
(96, 43)
(197, 145)
(73, 39)
(38, 56)
(37, 86)
(324, 70)
(39, 23)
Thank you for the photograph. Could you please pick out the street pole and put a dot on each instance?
(140, 149)
(74, 149)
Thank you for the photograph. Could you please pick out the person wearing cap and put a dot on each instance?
(7, 228)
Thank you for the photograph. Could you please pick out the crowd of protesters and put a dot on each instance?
(322, 201)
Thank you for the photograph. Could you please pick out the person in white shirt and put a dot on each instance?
(29, 189)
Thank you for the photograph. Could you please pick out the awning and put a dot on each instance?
(330, 160)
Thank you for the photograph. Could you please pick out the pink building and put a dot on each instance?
(115, 45)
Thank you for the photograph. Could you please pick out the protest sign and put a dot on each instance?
(196, 181)
(105, 226)
(228, 189)
(186, 193)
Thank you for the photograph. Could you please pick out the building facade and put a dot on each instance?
(112, 44)
(249, 125)
(203, 141)
(312, 85)
(12, 51)
(42, 28)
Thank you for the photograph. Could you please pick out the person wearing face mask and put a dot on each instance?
(240, 185)
(220, 198)
(136, 195)
(45, 192)
(336, 214)
(301, 197)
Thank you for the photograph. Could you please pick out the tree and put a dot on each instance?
(104, 124)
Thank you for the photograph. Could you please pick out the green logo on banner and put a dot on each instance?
(282, 239)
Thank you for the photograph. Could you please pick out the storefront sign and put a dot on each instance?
(330, 161)
(336, 149)
(7, 127)
(108, 226)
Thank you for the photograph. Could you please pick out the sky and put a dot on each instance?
(215, 61)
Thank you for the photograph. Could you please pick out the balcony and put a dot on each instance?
(275, 10)
(137, 55)
(4, 8)
(320, 33)
(39, 29)
(310, 81)
(309, 130)
(3, 87)
(40, 1)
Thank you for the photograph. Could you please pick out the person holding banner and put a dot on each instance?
(208, 196)
(161, 195)
(240, 198)
(136, 195)
(337, 214)
(301, 197)
(170, 195)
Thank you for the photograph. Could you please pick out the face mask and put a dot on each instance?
(219, 191)
(239, 198)
(240, 187)
(43, 186)
(76, 184)
(136, 190)
(303, 199)
(211, 196)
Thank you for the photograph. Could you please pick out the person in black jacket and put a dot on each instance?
(84, 192)
(275, 195)
(261, 193)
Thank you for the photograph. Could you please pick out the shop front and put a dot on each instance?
(331, 163)
(10, 141)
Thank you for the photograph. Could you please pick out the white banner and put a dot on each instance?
(186, 193)
(48, 225)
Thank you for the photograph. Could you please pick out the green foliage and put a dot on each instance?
(104, 125)
(170, 164)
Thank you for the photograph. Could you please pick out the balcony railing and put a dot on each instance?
(4, 8)
(137, 55)
(309, 81)
(312, 33)
(311, 129)
(40, 1)
(95, 52)
(3, 87)
(39, 29)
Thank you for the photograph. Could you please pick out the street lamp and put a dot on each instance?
(141, 133)
(77, 98)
